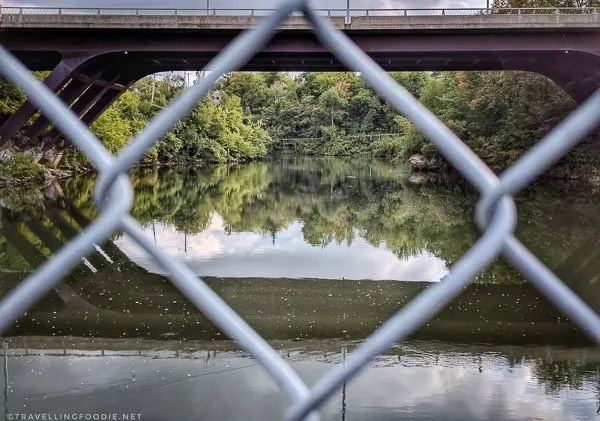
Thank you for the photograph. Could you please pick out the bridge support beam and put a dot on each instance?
(92, 104)
(93, 89)
(55, 81)
(80, 103)
(107, 99)
(578, 74)
(70, 93)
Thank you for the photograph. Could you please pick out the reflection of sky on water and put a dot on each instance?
(213, 252)
(228, 387)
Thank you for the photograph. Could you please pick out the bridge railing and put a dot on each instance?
(110, 11)
(370, 137)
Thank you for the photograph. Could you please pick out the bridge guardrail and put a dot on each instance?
(496, 211)
(113, 11)
(370, 137)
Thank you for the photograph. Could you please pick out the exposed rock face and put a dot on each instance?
(44, 178)
(52, 156)
(53, 191)
(423, 163)
(6, 154)
(417, 178)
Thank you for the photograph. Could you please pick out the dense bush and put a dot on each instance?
(214, 133)
(19, 166)
(499, 115)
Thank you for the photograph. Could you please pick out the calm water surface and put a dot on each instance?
(315, 254)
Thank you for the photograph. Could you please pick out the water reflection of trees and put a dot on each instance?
(336, 200)
(556, 376)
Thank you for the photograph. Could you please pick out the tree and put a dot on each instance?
(250, 87)
(332, 104)
(545, 3)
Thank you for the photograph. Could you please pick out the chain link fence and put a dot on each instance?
(496, 213)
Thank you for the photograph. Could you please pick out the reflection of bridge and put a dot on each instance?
(64, 221)
(108, 296)
(409, 353)
(123, 45)
(158, 367)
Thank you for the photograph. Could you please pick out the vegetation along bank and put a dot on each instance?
(250, 115)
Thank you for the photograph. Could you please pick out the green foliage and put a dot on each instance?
(73, 160)
(210, 133)
(390, 149)
(304, 106)
(11, 98)
(545, 3)
(112, 129)
(19, 166)
(250, 87)
(498, 114)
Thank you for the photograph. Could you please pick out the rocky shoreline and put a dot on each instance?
(425, 170)
(45, 177)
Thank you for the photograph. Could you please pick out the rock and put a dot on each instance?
(420, 178)
(48, 176)
(417, 178)
(421, 162)
(52, 156)
(53, 191)
(6, 152)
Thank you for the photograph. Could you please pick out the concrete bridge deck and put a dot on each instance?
(96, 19)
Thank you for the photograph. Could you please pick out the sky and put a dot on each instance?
(246, 4)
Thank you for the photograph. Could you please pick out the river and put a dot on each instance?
(315, 254)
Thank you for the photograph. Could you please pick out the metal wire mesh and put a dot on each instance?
(496, 212)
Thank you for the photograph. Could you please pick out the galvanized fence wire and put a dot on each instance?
(495, 214)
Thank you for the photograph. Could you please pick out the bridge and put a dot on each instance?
(96, 54)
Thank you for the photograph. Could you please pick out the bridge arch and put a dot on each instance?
(101, 59)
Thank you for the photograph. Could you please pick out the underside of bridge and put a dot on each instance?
(91, 68)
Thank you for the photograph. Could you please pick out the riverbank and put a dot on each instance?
(22, 170)
(348, 118)
(580, 168)
(41, 179)
(422, 170)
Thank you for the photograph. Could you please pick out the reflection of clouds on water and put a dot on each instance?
(438, 393)
(214, 252)
(227, 387)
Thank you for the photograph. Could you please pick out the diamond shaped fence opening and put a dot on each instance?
(495, 213)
